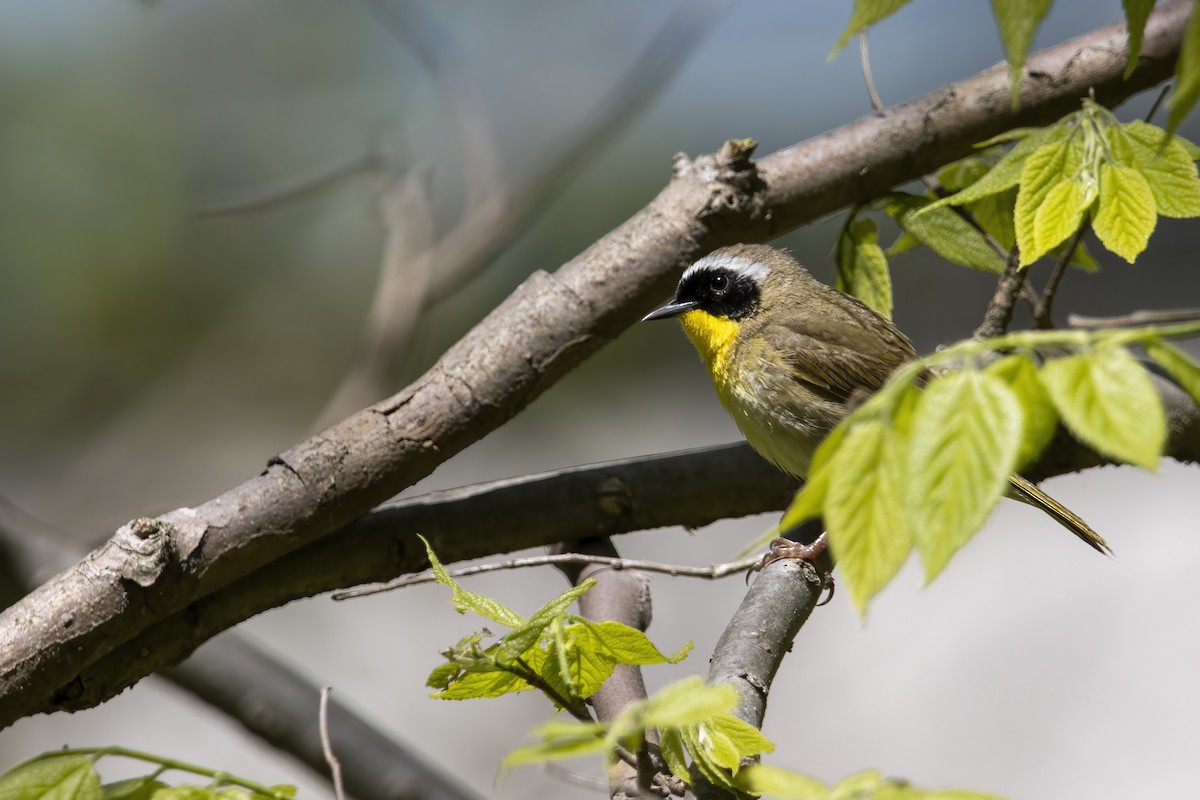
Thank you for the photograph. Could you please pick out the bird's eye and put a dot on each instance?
(718, 283)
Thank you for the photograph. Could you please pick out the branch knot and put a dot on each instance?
(145, 547)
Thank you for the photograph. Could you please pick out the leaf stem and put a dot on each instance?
(527, 674)
(1043, 311)
(219, 777)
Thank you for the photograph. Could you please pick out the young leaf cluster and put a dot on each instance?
(771, 781)
(72, 775)
(564, 656)
(923, 467)
(698, 734)
(1087, 167)
(1017, 22)
(700, 737)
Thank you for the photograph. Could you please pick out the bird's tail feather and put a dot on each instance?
(1026, 492)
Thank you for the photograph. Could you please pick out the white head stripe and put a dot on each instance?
(755, 270)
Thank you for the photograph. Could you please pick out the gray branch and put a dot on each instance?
(280, 707)
(152, 570)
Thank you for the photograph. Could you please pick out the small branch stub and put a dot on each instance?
(145, 544)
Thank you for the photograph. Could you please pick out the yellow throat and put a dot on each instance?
(713, 338)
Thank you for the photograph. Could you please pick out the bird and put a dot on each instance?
(790, 357)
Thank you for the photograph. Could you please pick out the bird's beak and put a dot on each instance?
(670, 309)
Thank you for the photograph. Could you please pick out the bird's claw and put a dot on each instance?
(807, 552)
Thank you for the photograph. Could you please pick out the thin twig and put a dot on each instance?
(864, 55)
(335, 766)
(292, 189)
(711, 572)
(1000, 310)
(1162, 94)
(528, 674)
(1043, 312)
(1134, 319)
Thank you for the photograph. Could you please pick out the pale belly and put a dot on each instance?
(785, 433)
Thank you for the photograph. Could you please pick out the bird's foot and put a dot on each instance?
(809, 553)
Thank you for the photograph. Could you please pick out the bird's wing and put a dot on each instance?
(840, 349)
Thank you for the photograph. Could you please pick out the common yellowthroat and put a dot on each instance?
(788, 355)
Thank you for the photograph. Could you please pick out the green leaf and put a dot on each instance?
(904, 242)
(443, 675)
(590, 650)
(626, 645)
(68, 778)
(966, 432)
(809, 502)
(527, 635)
(1021, 376)
(724, 740)
(1007, 172)
(865, 14)
(1136, 13)
(1190, 148)
(994, 214)
(958, 175)
(1047, 167)
(767, 779)
(716, 748)
(674, 753)
(185, 791)
(703, 761)
(863, 267)
(1178, 365)
(1080, 257)
(865, 514)
(561, 740)
(944, 232)
(1017, 21)
(1107, 400)
(478, 685)
(1059, 215)
(132, 789)
(685, 702)
(565, 669)
(1125, 217)
(740, 738)
(858, 785)
(1164, 162)
(465, 601)
(1187, 73)
(571, 670)
(1010, 135)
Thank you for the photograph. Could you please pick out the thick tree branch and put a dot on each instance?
(153, 569)
(692, 489)
(761, 631)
